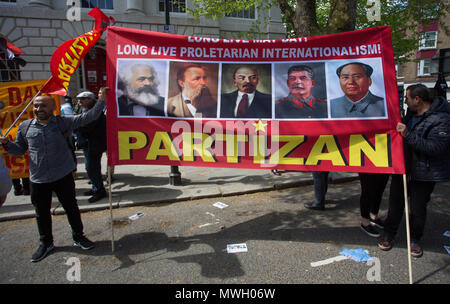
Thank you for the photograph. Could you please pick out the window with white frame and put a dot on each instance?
(428, 40)
(424, 67)
(178, 6)
(103, 4)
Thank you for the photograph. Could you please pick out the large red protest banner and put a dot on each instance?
(325, 103)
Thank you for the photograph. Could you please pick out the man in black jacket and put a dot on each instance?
(95, 133)
(246, 101)
(426, 133)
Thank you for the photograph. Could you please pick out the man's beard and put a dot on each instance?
(204, 100)
(145, 96)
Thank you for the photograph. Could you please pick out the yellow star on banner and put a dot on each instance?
(260, 126)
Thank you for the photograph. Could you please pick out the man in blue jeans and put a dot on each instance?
(51, 166)
(320, 190)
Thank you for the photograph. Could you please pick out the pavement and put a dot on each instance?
(148, 184)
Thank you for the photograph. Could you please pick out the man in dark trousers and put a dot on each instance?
(426, 133)
(95, 133)
(51, 166)
(246, 101)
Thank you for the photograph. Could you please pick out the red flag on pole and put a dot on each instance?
(101, 20)
(67, 57)
(53, 87)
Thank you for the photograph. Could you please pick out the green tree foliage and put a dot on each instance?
(303, 18)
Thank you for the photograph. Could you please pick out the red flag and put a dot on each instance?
(101, 20)
(53, 87)
(68, 56)
(14, 49)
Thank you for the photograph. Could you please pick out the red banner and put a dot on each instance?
(326, 103)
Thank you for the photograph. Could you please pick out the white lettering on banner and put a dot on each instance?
(250, 53)
(134, 49)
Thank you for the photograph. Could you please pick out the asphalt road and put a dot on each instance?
(186, 242)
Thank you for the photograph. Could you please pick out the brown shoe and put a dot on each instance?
(385, 242)
(416, 250)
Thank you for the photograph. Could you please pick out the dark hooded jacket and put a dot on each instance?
(427, 145)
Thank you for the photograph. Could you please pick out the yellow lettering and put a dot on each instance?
(162, 139)
(232, 145)
(259, 149)
(202, 148)
(73, 61)
(360, 146)
(66, 68)
(84, 40)
(292, 142)
(63, 75)
(325, 142)
(129, 141)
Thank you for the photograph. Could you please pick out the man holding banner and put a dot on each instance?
(51, 166)
(426, 134)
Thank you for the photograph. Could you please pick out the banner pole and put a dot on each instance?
(408, 238)
(110, 208)
(23, 111)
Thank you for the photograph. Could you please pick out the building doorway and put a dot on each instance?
(94, 69)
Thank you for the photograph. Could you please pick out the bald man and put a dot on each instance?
(51, 166)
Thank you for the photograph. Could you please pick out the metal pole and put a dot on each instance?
(167, 13)
(175, 175)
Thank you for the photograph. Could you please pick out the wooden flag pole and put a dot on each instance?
(408, 238)
(110, 208)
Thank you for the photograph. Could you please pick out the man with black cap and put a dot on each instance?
(358, 101)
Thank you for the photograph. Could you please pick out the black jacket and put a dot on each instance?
(261, 106)
(427, 145)
(95, 133)
(125, 109)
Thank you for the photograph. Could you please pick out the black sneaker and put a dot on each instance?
(84, 243)
(377, 223)
(370, 230)
(42, 252)
(89, 193)
(314, 206)
(97, 196)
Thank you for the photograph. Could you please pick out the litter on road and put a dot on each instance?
(136, 216)
(235, 248)
(358, 254)
(329, 261)
(220, 205)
